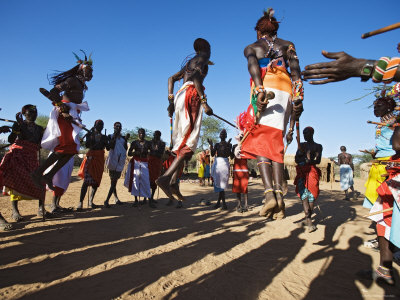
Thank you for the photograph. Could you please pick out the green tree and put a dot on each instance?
(134, 133)
(210, 129)
(42, 120)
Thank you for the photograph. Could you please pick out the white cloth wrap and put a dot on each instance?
(52, 132)
(220, 172)
(140, 180)
(182, 122)
(346, 177)
(117, 156)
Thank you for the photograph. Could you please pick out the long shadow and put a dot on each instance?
(337, 280)
(136, 276)
(245, 277)
(127, 223)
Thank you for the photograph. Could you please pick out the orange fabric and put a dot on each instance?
(155, 166)
(95, 165)
(275, 78)
(66, 142)
(264, 141)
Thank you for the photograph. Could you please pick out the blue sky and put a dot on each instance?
(137, 45)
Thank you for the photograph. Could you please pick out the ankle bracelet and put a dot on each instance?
(268, 191)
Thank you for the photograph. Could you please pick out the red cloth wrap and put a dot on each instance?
(240, 178)
(311, 175)
(264, 141)
(192, 107)
(155, 166)
(16, 168)
(95, 165)
(66, 141)
(132, 162)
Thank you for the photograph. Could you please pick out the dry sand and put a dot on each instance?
(191, 253)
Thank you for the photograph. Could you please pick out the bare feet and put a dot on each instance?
(174, 188)
(179, 205)
(269, 205)
(4, 226)
(16, 216)
(163, 183)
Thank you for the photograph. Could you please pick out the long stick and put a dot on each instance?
(381, 30)
(298, 134)
(222, 119)
(384, 124)
(378, 212)
(6, 120)
(170, 127)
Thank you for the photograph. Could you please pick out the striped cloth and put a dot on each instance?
(266, 138)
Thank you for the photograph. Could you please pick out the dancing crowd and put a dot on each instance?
(276, 104)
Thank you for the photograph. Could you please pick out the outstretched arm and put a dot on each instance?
(341, 68)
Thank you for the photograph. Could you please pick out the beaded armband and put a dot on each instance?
(380, 69)
(170, 97)
(298, 90)
(259, 89)
(391, 69)
(203, 99)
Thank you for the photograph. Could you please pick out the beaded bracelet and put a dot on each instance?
(268, 191)
(16, 132)
(380, 69)
(298, 90)
(203, 99)
(259, 89)
(170, 96)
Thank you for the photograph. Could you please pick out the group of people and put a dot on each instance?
(276, 96)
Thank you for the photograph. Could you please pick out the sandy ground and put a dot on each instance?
(191, 253)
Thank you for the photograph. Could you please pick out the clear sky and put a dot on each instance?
(137, 45)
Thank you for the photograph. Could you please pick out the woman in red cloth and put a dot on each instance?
(21, 160)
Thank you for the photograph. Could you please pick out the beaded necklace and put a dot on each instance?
(389, 118)
(271, 51)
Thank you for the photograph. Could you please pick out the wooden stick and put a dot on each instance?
(381, 30)
(222, 119)
(383, 124)
(5, 146)
(6, 120)
(378, 212)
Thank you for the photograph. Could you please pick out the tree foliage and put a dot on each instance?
(134, 134)
(42, 120)
(210, 129)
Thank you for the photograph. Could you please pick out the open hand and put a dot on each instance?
(344, 66)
